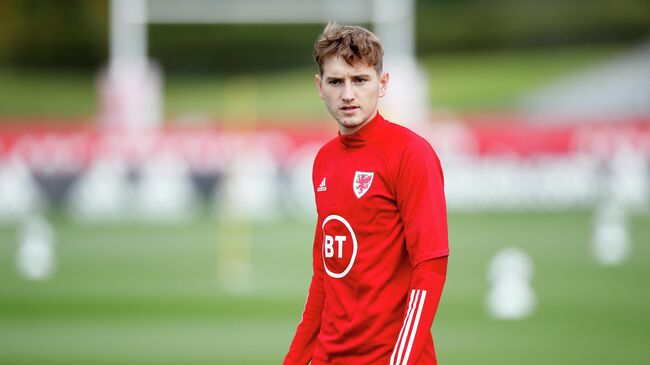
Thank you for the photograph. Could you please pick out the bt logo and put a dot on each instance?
(329, 245)
(339, 246)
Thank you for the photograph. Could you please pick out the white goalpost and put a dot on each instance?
(131, 86)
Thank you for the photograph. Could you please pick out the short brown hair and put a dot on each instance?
(352, 43)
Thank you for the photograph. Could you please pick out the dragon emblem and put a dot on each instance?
(362, 182)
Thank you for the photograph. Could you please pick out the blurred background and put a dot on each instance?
(156, 205)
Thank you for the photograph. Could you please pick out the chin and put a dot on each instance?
(351, 122)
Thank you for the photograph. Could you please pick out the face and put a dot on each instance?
(351, 93)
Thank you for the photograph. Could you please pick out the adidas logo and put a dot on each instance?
(322, 186)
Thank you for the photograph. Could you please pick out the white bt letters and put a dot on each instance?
(329, 245)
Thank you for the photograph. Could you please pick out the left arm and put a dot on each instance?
(419, 188)
(427, 281)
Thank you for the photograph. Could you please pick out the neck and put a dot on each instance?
(347, 131)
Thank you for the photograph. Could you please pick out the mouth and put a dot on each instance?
(349, 108)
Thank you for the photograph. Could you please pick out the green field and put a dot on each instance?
(465, 82)
(150, 294)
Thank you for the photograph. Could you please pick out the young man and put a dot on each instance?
(380, 248)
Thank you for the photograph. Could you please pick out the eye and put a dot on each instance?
(360, 81)
(334, 82)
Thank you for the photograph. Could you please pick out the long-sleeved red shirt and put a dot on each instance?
(380, 251)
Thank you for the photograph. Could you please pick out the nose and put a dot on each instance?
(348, 92)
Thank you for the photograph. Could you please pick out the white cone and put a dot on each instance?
(610, 241)
(35, 256)
(511, 296)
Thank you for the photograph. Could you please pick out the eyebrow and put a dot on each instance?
(358, 76)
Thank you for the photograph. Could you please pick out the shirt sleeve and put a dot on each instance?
(428, 280)
(304, 341)
(421, 200)
(419, 190)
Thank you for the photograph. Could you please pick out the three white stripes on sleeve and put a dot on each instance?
(409, 329)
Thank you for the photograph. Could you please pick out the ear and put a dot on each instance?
(319, 84)
(383, 84)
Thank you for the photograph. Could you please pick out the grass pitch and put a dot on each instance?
(151, 294)
(464, 82)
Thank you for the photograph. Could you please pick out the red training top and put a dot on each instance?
(379, 251)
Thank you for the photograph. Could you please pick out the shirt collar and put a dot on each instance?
(366, 133)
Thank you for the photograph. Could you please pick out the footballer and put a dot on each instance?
(380, 247)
